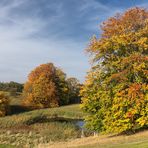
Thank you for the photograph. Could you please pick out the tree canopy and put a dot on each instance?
(4, 104)
(11, 87)
(115, 94)
(47, 86)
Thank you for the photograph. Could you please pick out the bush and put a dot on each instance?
(4, 104)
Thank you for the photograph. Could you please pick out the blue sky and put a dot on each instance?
(33, 32)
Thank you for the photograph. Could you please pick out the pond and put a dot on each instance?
(79, 123)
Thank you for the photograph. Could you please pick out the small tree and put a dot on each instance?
(40, 90)
(4, 104)
(46, 87)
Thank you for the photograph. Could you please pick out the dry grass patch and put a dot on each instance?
(101, 141)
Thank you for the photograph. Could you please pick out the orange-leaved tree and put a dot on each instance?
(4, 104)
(46, 87)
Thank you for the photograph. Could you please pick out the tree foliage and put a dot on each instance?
(115, 94)
(74, 89)
(46, 87)
(4, 104)
(13, 87)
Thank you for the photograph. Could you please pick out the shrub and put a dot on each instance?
(4, 104)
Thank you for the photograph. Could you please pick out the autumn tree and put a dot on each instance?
(46, 87)
(4, 104)
(115, 94)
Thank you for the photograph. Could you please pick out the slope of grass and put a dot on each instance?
(141, 144)
(138, 140)
(6, 146)
(15, 99)
(70, 112)
(50, 128)
(40, 126)
(30, 136)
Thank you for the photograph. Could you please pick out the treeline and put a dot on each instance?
(11, 86)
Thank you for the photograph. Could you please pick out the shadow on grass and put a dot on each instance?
(130, 132)
(7, 146)
(17, 109)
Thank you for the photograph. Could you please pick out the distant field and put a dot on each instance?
(14, 100)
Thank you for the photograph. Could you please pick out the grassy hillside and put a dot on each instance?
(6, 146)
(138, 140)
(43, 115)
(51, 128)
(40, 126)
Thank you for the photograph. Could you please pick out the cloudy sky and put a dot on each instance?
(33, 32)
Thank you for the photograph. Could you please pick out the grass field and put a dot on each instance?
(29, 128)
(71, 112)
(138, 140)
(6, 146)
(53, 128)
(40, 126)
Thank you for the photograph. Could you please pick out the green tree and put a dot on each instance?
(74, 89)
(12, 87)
(115, 94)
(62, 87)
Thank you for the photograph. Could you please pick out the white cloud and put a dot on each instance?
(23, 45)
(20, 54)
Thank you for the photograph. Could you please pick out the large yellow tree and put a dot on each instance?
(115, 94)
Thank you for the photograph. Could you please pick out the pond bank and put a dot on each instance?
(44, 125)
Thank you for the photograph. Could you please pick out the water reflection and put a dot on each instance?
(80, 124)
(84, 131)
